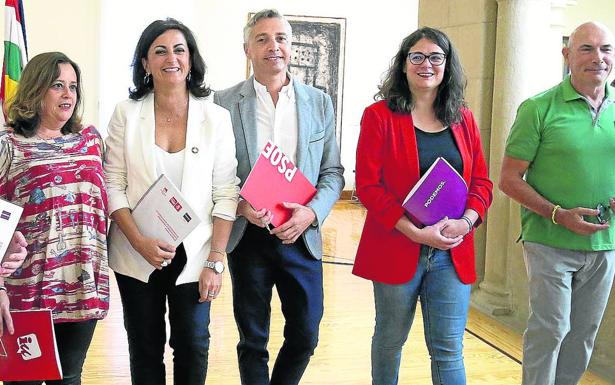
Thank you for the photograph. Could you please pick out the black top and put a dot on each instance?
(432, 145)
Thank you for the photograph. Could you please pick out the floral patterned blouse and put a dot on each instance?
(60, 184)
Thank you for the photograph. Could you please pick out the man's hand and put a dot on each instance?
(15, 255)
(301, 218)
(260, 218)
(573, 220)
(5, 315)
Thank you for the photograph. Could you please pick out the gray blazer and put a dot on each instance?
(318, 155)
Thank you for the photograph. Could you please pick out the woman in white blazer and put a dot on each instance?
(169, 126)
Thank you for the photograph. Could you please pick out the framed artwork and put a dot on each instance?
(317, 57)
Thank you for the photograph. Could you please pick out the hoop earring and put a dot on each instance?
(189, 77)
(147, 78)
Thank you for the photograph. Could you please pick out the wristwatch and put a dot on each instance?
(217, 266)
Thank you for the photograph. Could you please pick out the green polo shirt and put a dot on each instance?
(572, 161)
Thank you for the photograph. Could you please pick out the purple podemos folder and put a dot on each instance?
(441, 192)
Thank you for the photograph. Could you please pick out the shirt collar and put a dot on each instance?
(287, 90)
(569, 93)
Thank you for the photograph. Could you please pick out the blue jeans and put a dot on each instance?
(73, 340)
(444, 303)
(259, 262)
(144, 306)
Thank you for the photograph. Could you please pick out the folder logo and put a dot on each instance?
(6, 215)
(28, 347)
(175, 204)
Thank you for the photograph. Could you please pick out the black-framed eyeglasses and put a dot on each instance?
(417, 58)
(604, 213)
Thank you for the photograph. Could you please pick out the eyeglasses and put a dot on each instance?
(417, 58)
(604, 213)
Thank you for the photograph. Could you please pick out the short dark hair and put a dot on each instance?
(25, 108)
(195, 83)
(450, 97)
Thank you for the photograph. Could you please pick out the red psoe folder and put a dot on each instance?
(274, 179)
(30, 354)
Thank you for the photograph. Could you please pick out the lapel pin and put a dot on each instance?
(195, 150)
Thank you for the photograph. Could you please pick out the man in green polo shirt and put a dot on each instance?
(560, 166)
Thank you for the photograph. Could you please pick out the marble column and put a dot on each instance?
(523, 36)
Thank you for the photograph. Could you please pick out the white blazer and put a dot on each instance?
(209, 181)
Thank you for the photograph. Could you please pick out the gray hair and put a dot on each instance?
(265, 14)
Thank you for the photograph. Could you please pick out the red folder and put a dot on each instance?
(275, 179)
(30, 354)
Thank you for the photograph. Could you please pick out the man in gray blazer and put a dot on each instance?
(299, 119)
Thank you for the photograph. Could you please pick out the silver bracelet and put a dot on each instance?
(222, 253)
(469, 222)
(2, 288)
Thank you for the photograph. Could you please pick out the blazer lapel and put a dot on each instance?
(196, 118)
(304, 123)
(147, 132)
(247, 112)
(458, 131)
(405, 129)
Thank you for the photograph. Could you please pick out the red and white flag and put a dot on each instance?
(15, 49)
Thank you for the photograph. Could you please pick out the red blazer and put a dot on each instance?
(387, 167)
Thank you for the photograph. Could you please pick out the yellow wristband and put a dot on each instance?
(555, 208)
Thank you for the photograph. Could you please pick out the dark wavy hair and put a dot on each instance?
(196, 82)
(450, 97)
(25, 108)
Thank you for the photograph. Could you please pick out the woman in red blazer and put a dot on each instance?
(421, 115)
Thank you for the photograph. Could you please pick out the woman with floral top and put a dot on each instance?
(52, 166)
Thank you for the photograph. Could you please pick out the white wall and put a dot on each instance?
(588, 10)
(73, 28)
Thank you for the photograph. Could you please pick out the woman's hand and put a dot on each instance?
(455, 228)
(210, 284)
(433, 236)
(5, 315)
(15, 255)
(157, 253)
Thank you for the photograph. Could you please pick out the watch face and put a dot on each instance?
(218, 267)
